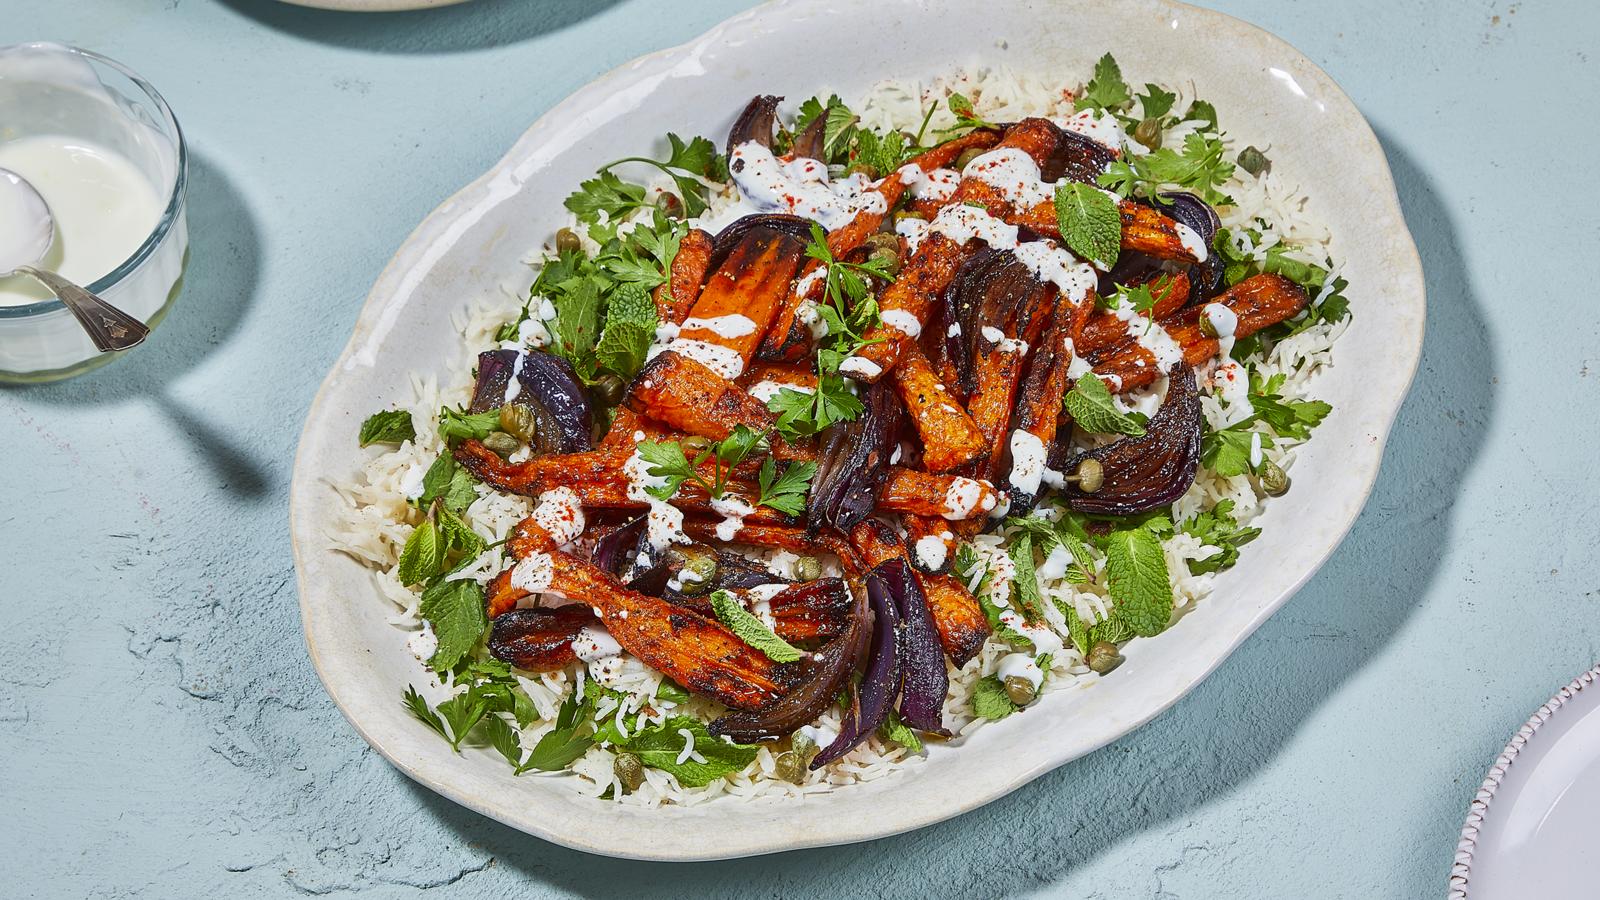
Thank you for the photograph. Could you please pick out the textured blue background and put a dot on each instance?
(163, 734)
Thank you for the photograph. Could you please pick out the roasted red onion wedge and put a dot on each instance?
(755, 123)
(1153, 470)
(547, 387)
(827, 675)
(924, 681)
(854, 461)
(539, 640)
(874, 696)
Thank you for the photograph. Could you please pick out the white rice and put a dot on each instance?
(377, 519)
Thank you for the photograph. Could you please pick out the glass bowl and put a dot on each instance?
(49, 89)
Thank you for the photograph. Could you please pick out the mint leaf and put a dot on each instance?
(455, 610)
(1227, 452)
(574, 329)
(1090, 405)
(1106, 90)
(660, 746)
(895, 730)
(1136, 571)
(749, 629)
(458, 535)
(423, 554)
(1090, 223)
(990, 701)
(447, 481)
(388, 427)
(1025, 584)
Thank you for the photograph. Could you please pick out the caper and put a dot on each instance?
(884, 240)
(807, 568)
(1208, 327)
(611, 389)
(567, 241)
(863, 169)
(902, 215)
(694, 445)
(518, 421)
(1020, 690)
(1090, 475)
(803, 746)
(886, 259)
(1104, 656)
(1148, 133)
(967, 155)
(669, 205)
(629, 769)
(1274, 480)
(1254, 161)
(502, 443)
(699, 569)
(789, 766)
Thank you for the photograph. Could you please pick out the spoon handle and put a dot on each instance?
(110, 328)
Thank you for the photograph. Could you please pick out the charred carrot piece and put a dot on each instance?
(739, 300)
(1259, 302)
(909, 300)
(677, 294)
(956, 614)
(949, 436)
(1144, 230)
(932, 542)
(689, 396)
(951, 497)
(626, 428)
(1105, 328)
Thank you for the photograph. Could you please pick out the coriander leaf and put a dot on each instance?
(1106, 90)
(607, 194)
(802, 415)
(1200, 167)
(1201, 111)
(695, 155)
(455, 610)
(882, 153)
(1227, 452)
(966, 116)
(1136, 571)
(419, 708)
(1156, 102)
(895, 730)
(785, 493)
(1091, 406)
(391, 426)
(458, 425)
(990, 700)
(462, 712)
(1289, 418)
(558, 749)
(503, 738)
(423, 554)
(738, 445)
(660, 746)
(1218, 528)
(666, 461)
(1090, 223)
(750, 629)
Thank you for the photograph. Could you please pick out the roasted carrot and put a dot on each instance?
(741, 297)
(677, 294)
(932, 542)
(949, 436)
(909, 299)
(951, 497)
(957, 614)
(687, 395)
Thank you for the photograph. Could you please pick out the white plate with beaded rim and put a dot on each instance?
(479, 240)
(1531, 829)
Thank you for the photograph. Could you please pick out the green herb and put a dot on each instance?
(966, 117)
(1227, 451)
(883, 154)
(1025, 593)
(425, 714)
(1201, 111)
(668, 461)
(1218, 528)
(455, 610)
(687, 163)
(895, 730)
(660, 746)
(802, 414)
(785, 493)
(629, 330)
(449, 482)
(1083, 636)
(1065, 533)
(669, 691)
(1106, 90)
(1091, 405)
(423, 555)
(388, 427)
(1090, 223)
(749, 629)
(1156, 102)
(605, 193)
(838, 128)
(1201, 166)
(1136, 577)
(462, 712)
(990, 700)
(642, 256)
(456, 425)
(458, 535)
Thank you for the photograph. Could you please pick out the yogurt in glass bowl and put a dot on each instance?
(103, 149)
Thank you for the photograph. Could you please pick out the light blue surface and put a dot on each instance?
(163, 735)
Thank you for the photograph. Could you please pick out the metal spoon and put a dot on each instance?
(110, 328)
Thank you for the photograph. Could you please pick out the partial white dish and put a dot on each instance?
(478, 242)
(374, 5)
(1530, 831)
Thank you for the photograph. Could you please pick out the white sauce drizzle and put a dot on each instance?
(729, 326)
(903, 322)
(725, 361)
(800, 186)
(931, 552)
(664, 522)
(1192, 241)
(1027, 461)
(962, 497)
(534, 574)
(1019, 665)
(593, 643)
(733, 511)
(938, 184)
(860, 367)
(560, 514)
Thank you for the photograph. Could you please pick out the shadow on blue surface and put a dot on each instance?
(1218, 738)
(219, 287)
(449, 29)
